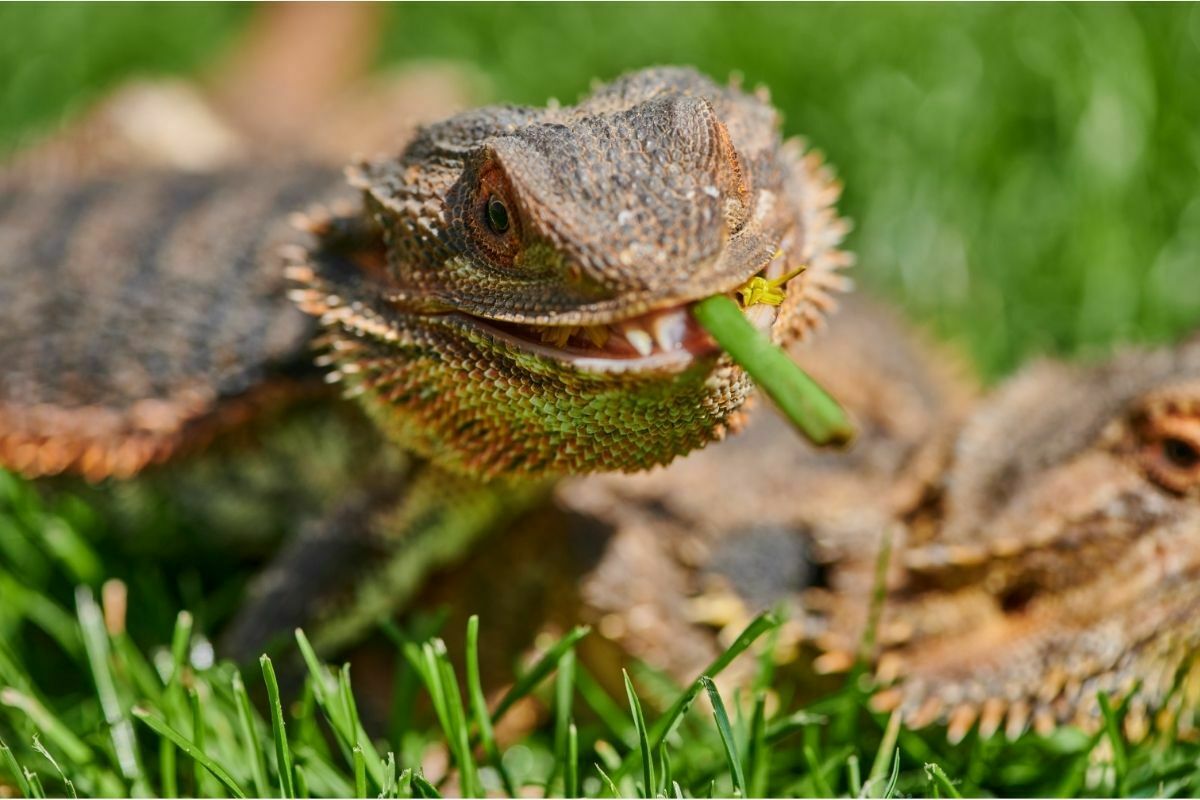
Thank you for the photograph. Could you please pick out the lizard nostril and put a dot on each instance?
(1016, 599)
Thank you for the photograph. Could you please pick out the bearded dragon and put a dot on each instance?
(1044, 540)
(506, 295)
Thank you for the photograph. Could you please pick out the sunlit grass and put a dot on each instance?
(114, 716)
(1024, 178)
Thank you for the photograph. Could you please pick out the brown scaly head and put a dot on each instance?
(1065, 561)
(517, 299)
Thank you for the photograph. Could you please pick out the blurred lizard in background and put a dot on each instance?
(508, 294)
(1044, 542)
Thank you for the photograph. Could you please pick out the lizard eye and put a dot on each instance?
(1180, 453)
(497, 215)
(485, 216)
(1169, 448)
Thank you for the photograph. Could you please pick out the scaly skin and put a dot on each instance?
(152, 316)
(658, 190)
(669, 565)
(1045, 546)
(517, 301)
(1065, 560)
(434, 329)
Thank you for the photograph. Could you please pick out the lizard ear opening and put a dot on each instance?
(1167, 431)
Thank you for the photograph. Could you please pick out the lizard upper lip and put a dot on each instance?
(666, 339)
(662, 339)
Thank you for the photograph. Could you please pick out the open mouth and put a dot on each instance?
(667, 338)
(658, 332)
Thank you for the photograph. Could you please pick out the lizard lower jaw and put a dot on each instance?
(666, 339)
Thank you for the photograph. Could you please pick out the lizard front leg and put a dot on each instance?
(369, 556)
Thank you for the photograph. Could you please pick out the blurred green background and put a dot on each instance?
(1026, 178)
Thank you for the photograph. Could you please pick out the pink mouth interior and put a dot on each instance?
(670, 330)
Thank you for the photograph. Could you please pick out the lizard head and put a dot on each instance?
(526, 309)
(1067, 562)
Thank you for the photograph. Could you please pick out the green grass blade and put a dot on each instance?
(404, 783)
(35, 784)
(457, 732)
(95, 642)
(726, 731)
(639, 723)
(342, 715)
(360, 773)
(283, 754)
(866, 644)
(131, 660)
(301, 781)
(809, 407)
(544, 666)
(72, 551)
(37, 745)
(389, 775)
(14, 767)
(883, 756)
(564, 692)
(12, 673)
(759, 756)
(757, 627)
(189, 747)
(821, 787)
(199, 779)
(350, 709)
(665, 776)
(304, 715)
(424, 661)
(608, 754)
(571, 768)
(608, 782)
(479, 709)
(38, 609)
(72, 747)
(938, 778)
(854, 775)
(322, 777)
(1112, 727)
(890, 790)
(247, 722)
(181, 639)
(423, 787)
(168, 775)
(609, 712)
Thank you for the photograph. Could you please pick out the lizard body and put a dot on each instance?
(152, 314)
(437, 315)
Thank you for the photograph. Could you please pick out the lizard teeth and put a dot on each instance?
(639, 340)
(670, 330)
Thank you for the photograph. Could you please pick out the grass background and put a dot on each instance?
(1023, 178)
